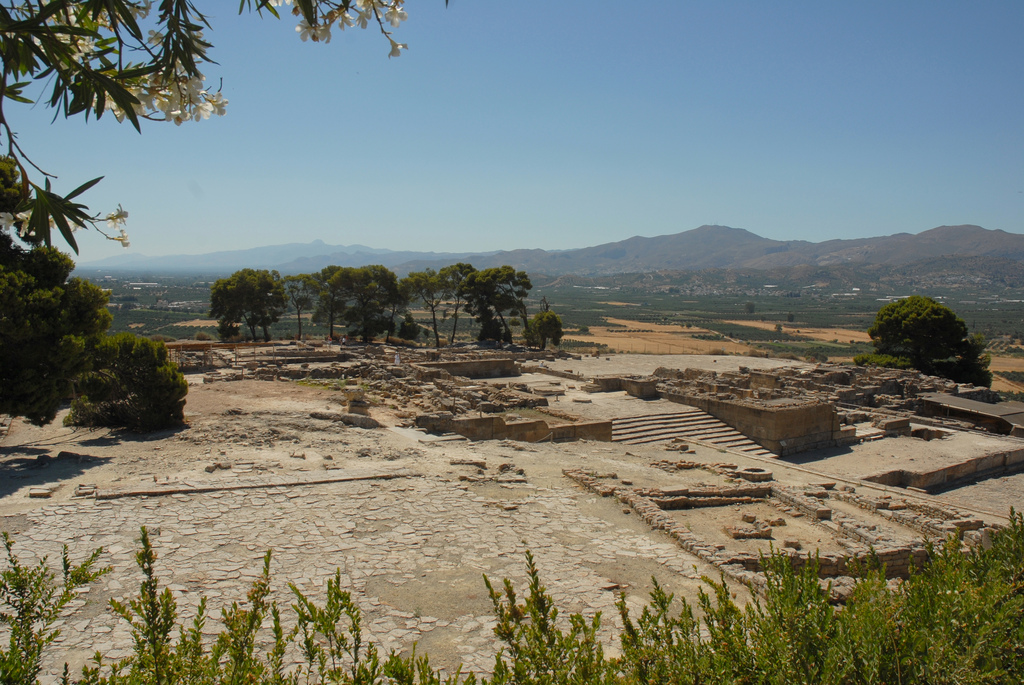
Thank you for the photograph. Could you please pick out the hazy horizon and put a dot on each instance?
(441, 249)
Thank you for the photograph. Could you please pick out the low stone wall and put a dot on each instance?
(747, 568)
(985, 466)
(804, 501)
(477, 368)
(608, 383)
(934, 521)
(495, 428)
(657, 519)
(599, 431)
(547, 370)
(644, 388)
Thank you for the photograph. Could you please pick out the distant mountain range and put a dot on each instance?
(707, 247)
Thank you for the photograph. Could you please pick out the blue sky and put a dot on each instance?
(528, 123)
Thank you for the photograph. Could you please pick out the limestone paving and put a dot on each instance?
(410, 538)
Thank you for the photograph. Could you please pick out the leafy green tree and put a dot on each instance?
(398, 300)
(372, 290)
(10, 182)
(133, 386)
(480, 294)
(228, 331)
(432, 290)
(492, 294)
(302, 292)
(924, 334)
(454, 278)
(48, 322)
(331, 298)
(90, 57)
(545, 326)
(254, 296)
(409, 330)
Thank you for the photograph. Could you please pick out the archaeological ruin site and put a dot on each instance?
(415, 472)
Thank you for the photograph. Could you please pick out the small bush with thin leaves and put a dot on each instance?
(31, 601)
(537, 651)
(958, 620)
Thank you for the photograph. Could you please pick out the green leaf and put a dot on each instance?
(84, 187)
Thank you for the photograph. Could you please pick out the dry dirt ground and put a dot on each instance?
(411, 526)
(656, 339)
(643, 337)
(824, 334)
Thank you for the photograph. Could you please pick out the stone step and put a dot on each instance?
(694, 425)
(646, 418)
(635, 426)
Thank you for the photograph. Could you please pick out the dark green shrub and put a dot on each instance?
(884, 360)
(229, 331)
(409, 330)
(133, 386)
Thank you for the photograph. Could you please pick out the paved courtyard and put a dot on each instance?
(421, 543)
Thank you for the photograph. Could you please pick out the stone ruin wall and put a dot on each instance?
(852, 386)
(495, 428)
(476, 368)
(784, 430)
(865, 543)
(790, 410)
(987, 465)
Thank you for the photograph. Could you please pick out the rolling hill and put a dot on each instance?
(706, 247)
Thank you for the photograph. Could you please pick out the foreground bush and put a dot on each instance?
(960, 620)
(132, 386)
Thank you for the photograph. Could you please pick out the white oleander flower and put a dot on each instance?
(218, 102)
(345, 20)
(396, 15)
(117, 219)
(140, 10)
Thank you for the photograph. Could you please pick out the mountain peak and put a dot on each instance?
(706, 247)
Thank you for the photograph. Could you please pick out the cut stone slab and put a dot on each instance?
(426, 438)
(42, 492)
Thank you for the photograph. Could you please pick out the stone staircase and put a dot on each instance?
(692, 425)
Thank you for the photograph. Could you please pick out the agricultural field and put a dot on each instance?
(804, 323)
(706, 313)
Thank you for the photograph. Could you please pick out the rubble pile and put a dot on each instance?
(411, 383)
